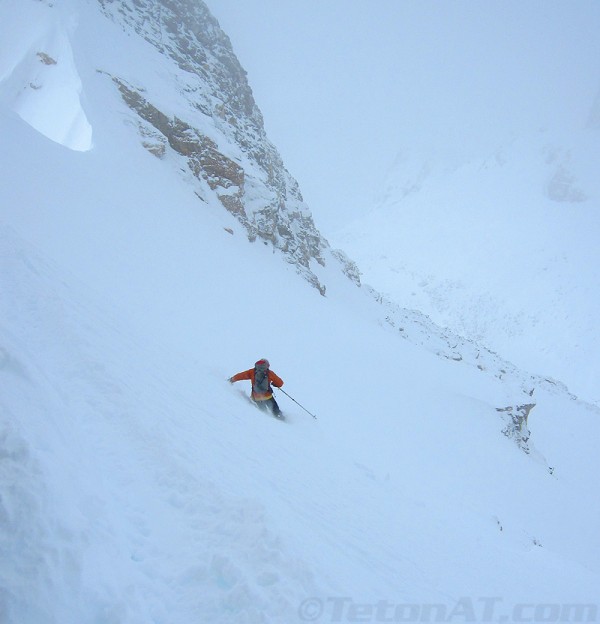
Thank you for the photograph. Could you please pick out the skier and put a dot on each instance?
(262, 377)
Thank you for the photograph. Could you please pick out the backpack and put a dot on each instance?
(261, 383)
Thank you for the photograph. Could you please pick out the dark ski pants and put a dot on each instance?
(270, 405)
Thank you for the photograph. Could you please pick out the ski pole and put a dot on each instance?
(296, 402)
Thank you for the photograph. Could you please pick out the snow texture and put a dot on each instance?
(137, 486)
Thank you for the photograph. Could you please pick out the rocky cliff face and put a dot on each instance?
(210, 127)
(222, 138)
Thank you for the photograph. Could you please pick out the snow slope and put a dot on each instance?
(502, 249)
(137, 485)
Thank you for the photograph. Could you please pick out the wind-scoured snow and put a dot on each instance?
(39, 79)
(137, 485)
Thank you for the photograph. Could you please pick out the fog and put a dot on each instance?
(345, 85)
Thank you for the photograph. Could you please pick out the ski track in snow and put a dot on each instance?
(137, 486)
(215, 552)
(180, 509)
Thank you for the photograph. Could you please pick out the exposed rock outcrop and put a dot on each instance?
(516, 424)
(237, 161)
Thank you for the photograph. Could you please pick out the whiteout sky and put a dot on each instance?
(344, 85)
(137, 485)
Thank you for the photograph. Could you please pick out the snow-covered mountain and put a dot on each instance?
(187, 98)
(502, 249)
(136, 484)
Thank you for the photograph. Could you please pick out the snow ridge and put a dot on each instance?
(137, 486)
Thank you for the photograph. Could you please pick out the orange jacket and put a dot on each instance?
(249, 374)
